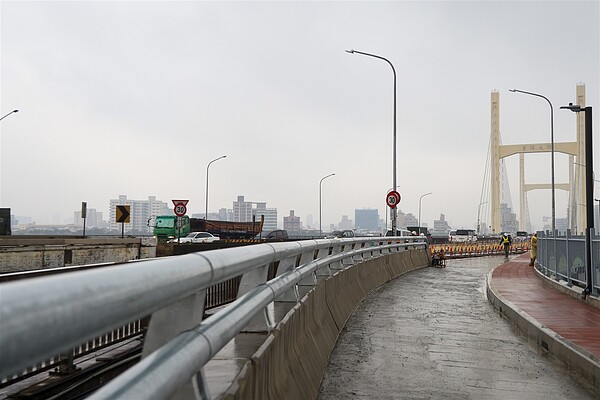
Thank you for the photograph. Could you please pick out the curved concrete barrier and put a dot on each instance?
(291, 362)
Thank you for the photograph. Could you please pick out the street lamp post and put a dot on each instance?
(598, 200)
(13, 111)
(589, 189)
(394, 210)
(206, 204)
(551, 153)
(4, 116)
(426, 194)
(478, 210)
(320, 218)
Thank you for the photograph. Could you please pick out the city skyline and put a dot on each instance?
(138, 97)
(307, 222)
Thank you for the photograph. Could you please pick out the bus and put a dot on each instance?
(463, 236)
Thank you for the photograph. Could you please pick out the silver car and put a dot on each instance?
(198, 237)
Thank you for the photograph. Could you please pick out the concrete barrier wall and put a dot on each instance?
(27, 256)
(291, 362)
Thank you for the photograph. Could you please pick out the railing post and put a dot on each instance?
(594, 270)
(66, 364)
(286, 265)
(324, 271)
(170, 321)
(547, 236)
(337, 249)
(306, 284)
(556, 275)
(358, 258)
(250, 280)
(347, 261)
(567, 245)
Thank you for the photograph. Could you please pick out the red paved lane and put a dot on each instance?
(578, 322)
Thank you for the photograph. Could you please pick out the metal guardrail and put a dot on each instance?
(50, 315)
(64, 363)
(564, 257)
(217, 295)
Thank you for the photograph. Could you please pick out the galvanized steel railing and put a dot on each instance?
(217, 295)
(564, 257)
(50, 315)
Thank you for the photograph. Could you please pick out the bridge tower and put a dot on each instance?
(575, 150)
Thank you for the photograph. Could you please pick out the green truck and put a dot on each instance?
(165, 226)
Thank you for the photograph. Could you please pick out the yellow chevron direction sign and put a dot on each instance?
(122, 214)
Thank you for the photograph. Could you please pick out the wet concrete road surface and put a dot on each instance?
(432, 334)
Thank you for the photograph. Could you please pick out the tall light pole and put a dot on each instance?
(206, 209)
(589, 189)
(551, 153)
(394, 210)
(426, 194)
(478, 210)
(4, 116)
(320, 186)
(598, 200)
(13, 111)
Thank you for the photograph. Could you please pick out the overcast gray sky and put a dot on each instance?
(137, 97)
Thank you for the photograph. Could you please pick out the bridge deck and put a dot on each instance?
(434, 334)
(570, 318)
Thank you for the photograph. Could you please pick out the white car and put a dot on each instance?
(198, 237)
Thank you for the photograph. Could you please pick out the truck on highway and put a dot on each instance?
(168, 226)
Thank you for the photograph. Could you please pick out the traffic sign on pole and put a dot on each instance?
(392, 199)
(180, 207)
(122, 214)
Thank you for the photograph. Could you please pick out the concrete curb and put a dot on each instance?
(576, 358)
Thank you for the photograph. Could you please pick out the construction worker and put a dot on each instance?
(533, 251)
(506, 241)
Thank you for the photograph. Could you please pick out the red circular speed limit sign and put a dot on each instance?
(180, 207)
(392, 199)
(180, 210)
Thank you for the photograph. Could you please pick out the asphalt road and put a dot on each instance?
(432, 334)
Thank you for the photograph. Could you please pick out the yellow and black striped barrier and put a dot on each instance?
(458, 250)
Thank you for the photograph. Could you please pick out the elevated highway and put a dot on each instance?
(284, 355)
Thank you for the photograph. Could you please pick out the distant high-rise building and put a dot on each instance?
(346, 223)
(139, 214)
(270, 215)
(292, 223)
(242, 210)
(309, 221)
(508, 219)
(367, 219)
(21, 220)
(93, 219)
(561, 224)
(225, 214)
(441, 224)
(405, 220)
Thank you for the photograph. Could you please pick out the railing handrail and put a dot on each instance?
(44, 316)
(170, 366)
(556, 260)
